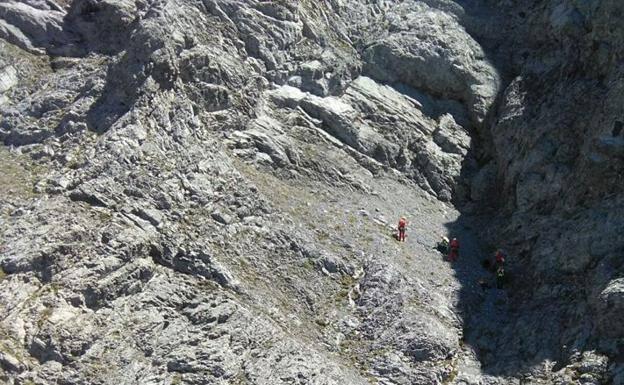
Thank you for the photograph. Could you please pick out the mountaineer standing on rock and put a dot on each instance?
(402, 227)
(454, 253)
(500, 277)
(500, 269)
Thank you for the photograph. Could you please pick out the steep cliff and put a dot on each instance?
(205, 191)
(556, 171)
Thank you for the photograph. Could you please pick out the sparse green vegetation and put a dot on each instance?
(45, 315)
(309, 264)
(322, 235)
(17, 178)
(368, 239)
(104, 215)
(454, 371)
(451, 376)
(240, 379)
(54, 287)
(5, 347)
(347, 281)
(342, 295)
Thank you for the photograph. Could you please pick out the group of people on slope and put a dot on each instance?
(451, 250)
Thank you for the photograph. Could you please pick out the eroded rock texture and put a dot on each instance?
(205, 191)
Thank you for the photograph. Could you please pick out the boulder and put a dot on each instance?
(429, 50)
(10, 363)
(8, 78)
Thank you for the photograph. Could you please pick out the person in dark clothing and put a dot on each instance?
(500, 277)
(499, 263)
(443, 246)
(454, 253)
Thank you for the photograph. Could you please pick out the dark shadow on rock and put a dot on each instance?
(96, 26)
(434, 107)
(105, 28)
(118, 95)
(513, 329)
(126, 82)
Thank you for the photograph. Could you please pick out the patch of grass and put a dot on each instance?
(342, 295)
(45, 316)
(322, 235)
(347, 281)
(55, 287)
(354, 350)
(454, 371)
(368, 239)
(32, 66)
(2, 275)
(8, 349)
(414, 301)
(240, 379)
(177, 379)
(16, 179)
(452, 376)
(309, 264)
(104, 216)
(310, 152)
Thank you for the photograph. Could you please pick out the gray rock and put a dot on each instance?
(482, 186)
(410, 54)
(180, 202)
(222, 218)
(618, 377)
(28, 26)
(10, 363)
(8, 78)
(609, 307)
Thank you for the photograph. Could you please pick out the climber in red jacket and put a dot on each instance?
(499, 258)
(402, 227)
(454, 253)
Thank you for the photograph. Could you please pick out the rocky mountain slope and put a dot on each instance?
(205, 191)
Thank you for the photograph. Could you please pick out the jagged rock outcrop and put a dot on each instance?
(555, 145)
(428, 49)
(204, 191)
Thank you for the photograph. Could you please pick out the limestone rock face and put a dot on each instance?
(201, 192)
(555, 143)
(428, 49)
(31, 26)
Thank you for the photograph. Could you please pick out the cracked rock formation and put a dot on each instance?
(205, 192)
